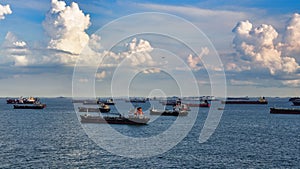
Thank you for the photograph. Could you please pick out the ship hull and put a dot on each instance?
(198, 105)
(168, 113)
(113, 120)
(90, 109)
(38, 106)
(284, 111)
(244, 102)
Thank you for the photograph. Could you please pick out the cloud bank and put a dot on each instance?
(15, 51)
(262, 48)
(4, 10)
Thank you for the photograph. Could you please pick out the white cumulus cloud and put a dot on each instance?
(4, 10)
(292, 34)
(262, 48)
(137, 52)
(194, 62)
(66, 27)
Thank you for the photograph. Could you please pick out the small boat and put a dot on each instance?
(168, 112)
(262, 100)
(30, 106)
(132, 120)
(104, 108)
(296, 102)
(284, 111)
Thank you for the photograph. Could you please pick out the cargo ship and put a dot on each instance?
(296, 102)
(30, 106)
(21, 100)
(238, 98)
(260, 101)
(293, 98)
(131, 120)
(168, 112)
(137, 100)
(204, 103)
(284, 111)
(103, 109)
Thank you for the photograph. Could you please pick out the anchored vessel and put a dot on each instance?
(296, 102)
(168, 112)
(21, 100)
(137, 100)
(260, 101)
(204, 103)
(284, 111)
(132, 119)
(30, 106)
(106, 102)
(103, 109)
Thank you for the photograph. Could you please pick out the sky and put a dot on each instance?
(149, 48)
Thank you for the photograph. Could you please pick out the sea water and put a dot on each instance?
(248, 136)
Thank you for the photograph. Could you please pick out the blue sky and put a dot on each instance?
(257, 41)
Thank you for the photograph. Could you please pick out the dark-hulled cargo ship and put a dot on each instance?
(30, 106)
(284, 111)
(296, 102)
(260, 101)
(131, 120)
(168, 112)
(103, 109)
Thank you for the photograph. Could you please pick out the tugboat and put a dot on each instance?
(104, 108)
(106, 102)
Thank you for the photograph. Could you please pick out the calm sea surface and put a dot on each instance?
(248, 136)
